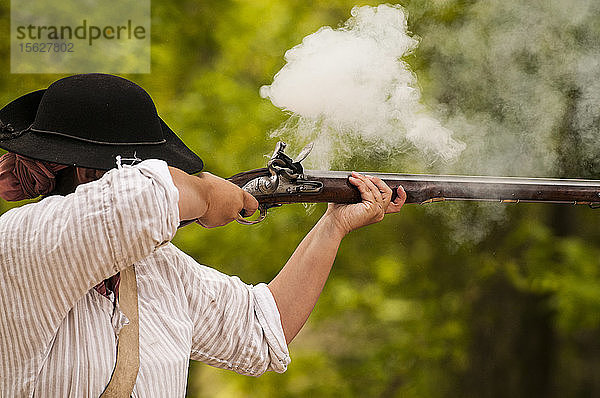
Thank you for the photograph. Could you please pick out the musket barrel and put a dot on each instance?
(284, 180)
(424, 188)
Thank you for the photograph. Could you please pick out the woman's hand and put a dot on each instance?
(376, 202)
(210, 200)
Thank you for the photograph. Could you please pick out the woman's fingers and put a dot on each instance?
(374, 189)
(250, 205)
(359, 182)
(376, 198)
(375, 193)
(396, 205)
(386, 191)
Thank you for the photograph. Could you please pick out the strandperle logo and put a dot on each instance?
(85, 31)
(74, 36)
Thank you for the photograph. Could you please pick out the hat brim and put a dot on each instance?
(60, 149)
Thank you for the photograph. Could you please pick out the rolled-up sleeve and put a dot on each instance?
(268, 316)
(236, 326)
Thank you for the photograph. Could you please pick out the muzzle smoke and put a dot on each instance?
(349, 85)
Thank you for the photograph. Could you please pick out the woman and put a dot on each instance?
(93, 289)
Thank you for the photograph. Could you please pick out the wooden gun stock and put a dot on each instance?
(422, 188)
(285, 181)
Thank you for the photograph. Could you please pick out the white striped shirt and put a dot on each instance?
(58, 335)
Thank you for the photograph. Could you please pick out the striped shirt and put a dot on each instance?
(58, 335)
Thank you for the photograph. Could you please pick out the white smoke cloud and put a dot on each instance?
(518, 78)
(348, 84)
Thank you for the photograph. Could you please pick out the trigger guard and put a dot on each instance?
(262, 216)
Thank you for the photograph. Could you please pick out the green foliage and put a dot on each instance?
(440, 301)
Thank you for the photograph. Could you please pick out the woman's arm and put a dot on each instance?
(298, 285)
(54, 251)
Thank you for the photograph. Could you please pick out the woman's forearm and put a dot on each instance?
(298, 285)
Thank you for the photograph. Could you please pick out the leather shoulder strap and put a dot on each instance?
(128, 356)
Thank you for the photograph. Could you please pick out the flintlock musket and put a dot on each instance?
(284, 180)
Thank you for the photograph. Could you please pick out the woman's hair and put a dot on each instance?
(24, 178)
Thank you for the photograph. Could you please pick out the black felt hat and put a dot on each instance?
(87, 121)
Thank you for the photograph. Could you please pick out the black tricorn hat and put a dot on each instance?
(87, 121)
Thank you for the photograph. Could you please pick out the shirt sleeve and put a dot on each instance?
(236, 326)
(54, 251)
